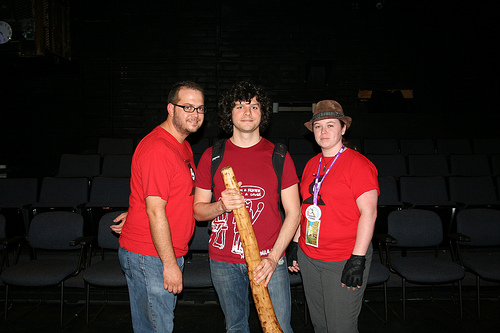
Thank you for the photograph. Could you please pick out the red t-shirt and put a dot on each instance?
(163, 167)
(351, 176)
(253, 167)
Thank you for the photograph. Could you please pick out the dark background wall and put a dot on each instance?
(126, 54)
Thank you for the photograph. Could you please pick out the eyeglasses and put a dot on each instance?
(191, 109)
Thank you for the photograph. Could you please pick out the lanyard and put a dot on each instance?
(317, 182)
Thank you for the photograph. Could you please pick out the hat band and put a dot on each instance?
(327, 114)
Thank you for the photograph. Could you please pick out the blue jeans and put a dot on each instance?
(232, 286)
(152, 306)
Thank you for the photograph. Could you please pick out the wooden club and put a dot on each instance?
(260, 293)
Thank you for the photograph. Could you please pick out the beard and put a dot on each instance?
(183, 126)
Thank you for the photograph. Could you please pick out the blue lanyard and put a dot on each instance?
(317, 182)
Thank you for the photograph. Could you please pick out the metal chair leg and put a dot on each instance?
(6, 303)
(62, 303)
(460, 299)
(87, 300)
(385, 301)
(478, 298)
(404, 299)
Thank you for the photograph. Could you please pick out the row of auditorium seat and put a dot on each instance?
(444, 195)
(455, 191)
(447, 146)
(22, 198)
(82, 195)
(113, 155)
(398, 157)
(92, 169)
(114, 165)
(93, 165)
(91, 183)
(436, 164)
(107, 146)
(301, 145)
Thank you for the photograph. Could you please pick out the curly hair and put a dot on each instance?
(243, 92)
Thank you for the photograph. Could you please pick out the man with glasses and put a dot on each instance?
(160, 221)
(245, 112)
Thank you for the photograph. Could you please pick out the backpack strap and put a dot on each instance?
(217, 154)
(278, 160)
(279, 154)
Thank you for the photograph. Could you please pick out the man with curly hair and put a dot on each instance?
(245, 112)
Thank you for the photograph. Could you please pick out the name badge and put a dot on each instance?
(312, 233)
(313, 213)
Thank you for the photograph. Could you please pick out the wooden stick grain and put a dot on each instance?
(260, 294)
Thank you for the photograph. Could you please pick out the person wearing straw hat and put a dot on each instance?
(339, 190)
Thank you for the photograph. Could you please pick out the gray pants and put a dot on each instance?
(332, 308)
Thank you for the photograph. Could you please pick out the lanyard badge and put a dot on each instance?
(313, 212)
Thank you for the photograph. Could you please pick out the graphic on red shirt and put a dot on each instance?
(220, 225)
(253, 167)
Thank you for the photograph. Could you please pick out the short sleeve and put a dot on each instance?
(289, 176)
(364, 177)
(203, 177)
(155, 169)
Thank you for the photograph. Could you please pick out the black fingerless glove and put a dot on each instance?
(352, 275)
(292, 253)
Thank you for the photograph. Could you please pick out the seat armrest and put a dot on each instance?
(12, 240)
(84, 240)
(459, 237)
(386, 238)
(81, 206)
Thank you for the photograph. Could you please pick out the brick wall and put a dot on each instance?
(126, 55)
